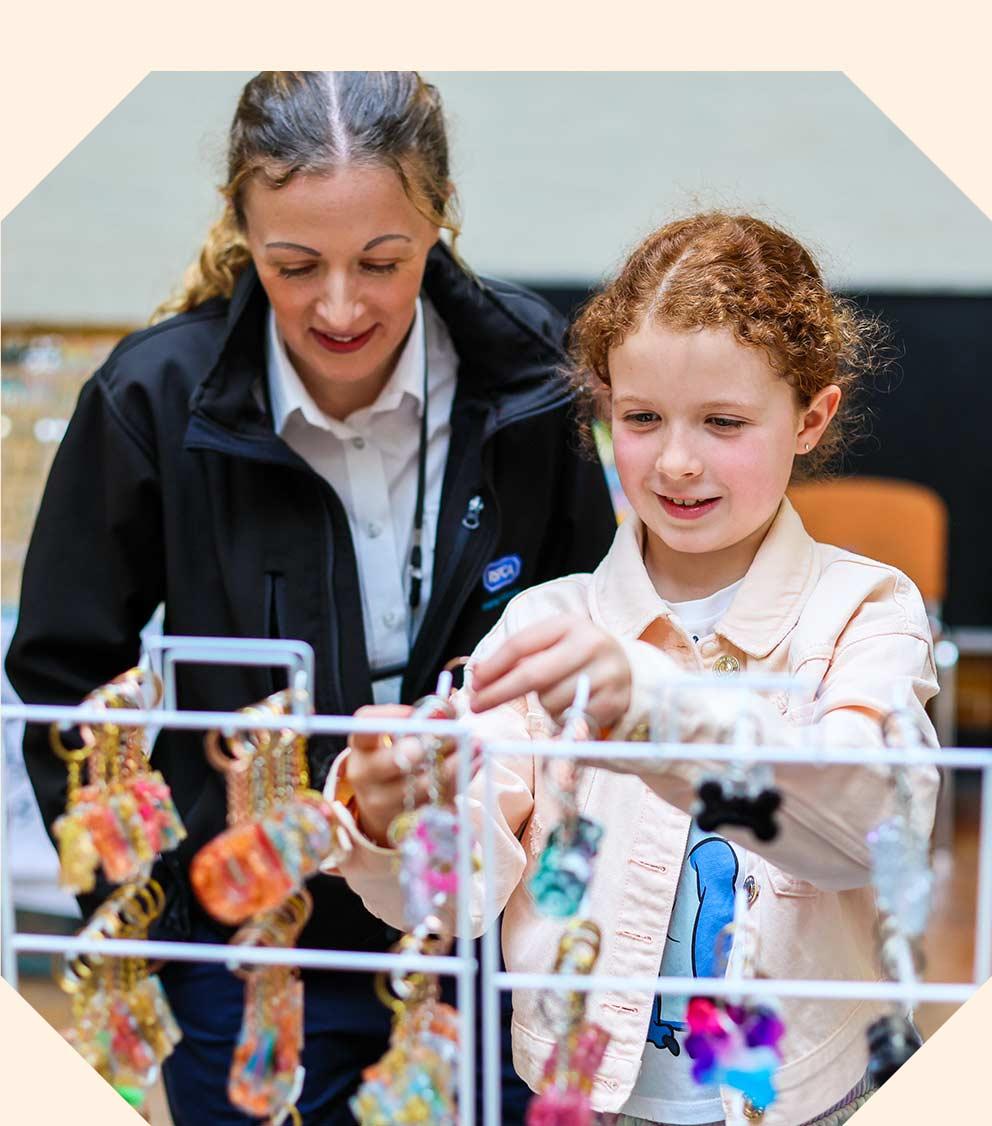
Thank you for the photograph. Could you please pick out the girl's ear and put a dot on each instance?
(815, 418)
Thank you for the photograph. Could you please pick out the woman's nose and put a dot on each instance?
(339, 304)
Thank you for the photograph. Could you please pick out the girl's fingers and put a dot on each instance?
(539, 673)
(534, 639)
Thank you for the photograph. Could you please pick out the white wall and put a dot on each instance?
(558, 174)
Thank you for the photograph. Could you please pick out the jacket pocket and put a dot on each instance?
(784, 884)
(275, 619)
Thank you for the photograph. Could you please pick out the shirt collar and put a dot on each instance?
(766, 606)
(288, 395)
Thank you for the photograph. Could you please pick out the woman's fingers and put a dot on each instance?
(372, 741)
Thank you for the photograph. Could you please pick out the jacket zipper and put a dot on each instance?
(471, 522)
(241, 446)
(275, 617)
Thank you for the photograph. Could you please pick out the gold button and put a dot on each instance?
(641, 733)
(753, 1113)
(726, 665)
(750, 889)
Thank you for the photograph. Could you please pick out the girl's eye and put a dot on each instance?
(379, 267)
(294, 271)
(726, 423)
(641, 418)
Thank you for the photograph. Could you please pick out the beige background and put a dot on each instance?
(64, 68)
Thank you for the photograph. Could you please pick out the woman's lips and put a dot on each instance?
(689, 512)
(330, 344)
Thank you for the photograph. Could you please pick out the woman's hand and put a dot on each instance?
(378, 767)
(547, 658)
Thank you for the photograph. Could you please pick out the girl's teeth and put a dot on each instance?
(686, 503)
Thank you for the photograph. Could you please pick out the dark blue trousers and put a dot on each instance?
(346, 1028)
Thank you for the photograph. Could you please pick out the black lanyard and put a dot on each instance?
(415, 566)
(416, 554)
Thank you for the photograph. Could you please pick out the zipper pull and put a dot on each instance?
(471, 518)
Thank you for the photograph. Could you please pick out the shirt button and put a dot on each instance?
(358, 443)
(726, 665)
(750, 889)
(390, 618)
(374, 530)
(753, 1113)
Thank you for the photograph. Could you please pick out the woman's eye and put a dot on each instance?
(379, 267)
(294, 271)
(726, 423)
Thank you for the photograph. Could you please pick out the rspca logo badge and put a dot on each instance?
(501, 573)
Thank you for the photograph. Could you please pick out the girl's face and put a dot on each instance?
(341, 257)
(704, 437)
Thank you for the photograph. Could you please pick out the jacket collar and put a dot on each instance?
(765, 608)
(505, 353)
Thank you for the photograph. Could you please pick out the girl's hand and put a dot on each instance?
(547, 658)
(378, 767)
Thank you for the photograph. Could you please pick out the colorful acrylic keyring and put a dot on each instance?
(266, 1060)
(414, 1080)
(900, 848)
(566, 863)
(239, 873)
(566, 1084)
(736, 1045)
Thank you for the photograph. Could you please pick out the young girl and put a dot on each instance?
(721, 360)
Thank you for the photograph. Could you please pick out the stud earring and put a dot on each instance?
(806, 448)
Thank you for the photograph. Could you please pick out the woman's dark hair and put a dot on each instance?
(312, 122)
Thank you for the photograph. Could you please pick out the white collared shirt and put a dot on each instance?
(370, 460)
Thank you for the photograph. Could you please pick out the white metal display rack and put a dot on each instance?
(298, 660)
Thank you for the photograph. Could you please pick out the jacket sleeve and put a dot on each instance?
(92, 576)
(826, 811)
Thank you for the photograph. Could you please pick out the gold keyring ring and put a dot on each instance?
(67, 754)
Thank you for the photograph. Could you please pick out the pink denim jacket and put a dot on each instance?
(854, 633)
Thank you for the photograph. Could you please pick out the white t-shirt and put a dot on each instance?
(370, 460)
(704, 904)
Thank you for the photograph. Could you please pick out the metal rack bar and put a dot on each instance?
(166, 651)
(826, 989)
(462, 965)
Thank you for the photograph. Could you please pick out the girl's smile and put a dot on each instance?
(688, 508)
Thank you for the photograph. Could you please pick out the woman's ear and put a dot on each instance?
(816, 417)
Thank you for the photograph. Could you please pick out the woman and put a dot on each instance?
(340, 436)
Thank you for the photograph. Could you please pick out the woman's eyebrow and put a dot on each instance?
(292, 246)
(384, 238)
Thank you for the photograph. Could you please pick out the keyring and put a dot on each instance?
(69, 754)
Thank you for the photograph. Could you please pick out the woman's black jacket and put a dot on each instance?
(170, 486)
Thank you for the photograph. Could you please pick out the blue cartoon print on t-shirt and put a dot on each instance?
(704, 906)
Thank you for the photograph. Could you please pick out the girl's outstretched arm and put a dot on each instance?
(882, 660)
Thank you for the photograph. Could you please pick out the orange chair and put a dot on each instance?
(905, 525)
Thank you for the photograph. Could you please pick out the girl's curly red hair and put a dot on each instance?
(722, 270)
